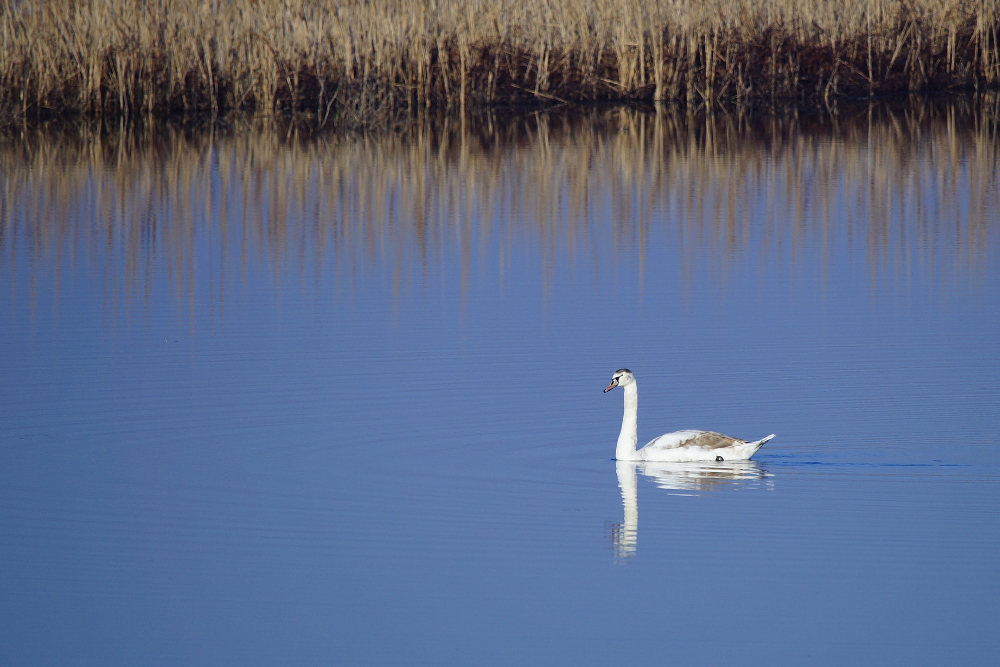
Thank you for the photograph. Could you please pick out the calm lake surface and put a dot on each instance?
(269, 399)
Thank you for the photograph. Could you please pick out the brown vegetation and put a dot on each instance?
(356, 60)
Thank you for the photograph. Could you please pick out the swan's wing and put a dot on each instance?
(693, 439)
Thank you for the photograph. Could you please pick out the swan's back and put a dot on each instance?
(692, 438)
(693, 445)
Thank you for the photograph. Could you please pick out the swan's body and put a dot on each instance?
(678, 446)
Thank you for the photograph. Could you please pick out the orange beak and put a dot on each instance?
(614, 383)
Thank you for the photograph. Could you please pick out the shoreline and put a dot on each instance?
(304, 126)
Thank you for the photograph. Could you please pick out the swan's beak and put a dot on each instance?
(614, 383)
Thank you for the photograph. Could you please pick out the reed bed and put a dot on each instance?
(155, 213)
(363, 61)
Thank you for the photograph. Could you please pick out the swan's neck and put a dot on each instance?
(629, 436)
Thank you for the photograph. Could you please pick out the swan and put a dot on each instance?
(679, 446)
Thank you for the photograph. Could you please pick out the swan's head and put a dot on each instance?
(622, 377)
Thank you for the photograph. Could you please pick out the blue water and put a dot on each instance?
(271, 399)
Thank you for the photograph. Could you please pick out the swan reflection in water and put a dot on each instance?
(692, 478)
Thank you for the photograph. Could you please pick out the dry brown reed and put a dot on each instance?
(913, 192)
(357, 60)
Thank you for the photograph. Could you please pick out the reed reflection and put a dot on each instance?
(914, 189)
(683, 479)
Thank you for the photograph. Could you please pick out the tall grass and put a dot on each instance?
(357, 60)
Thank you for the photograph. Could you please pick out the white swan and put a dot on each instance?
(678, 446)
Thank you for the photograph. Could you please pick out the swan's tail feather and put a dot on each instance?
(757, 445)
